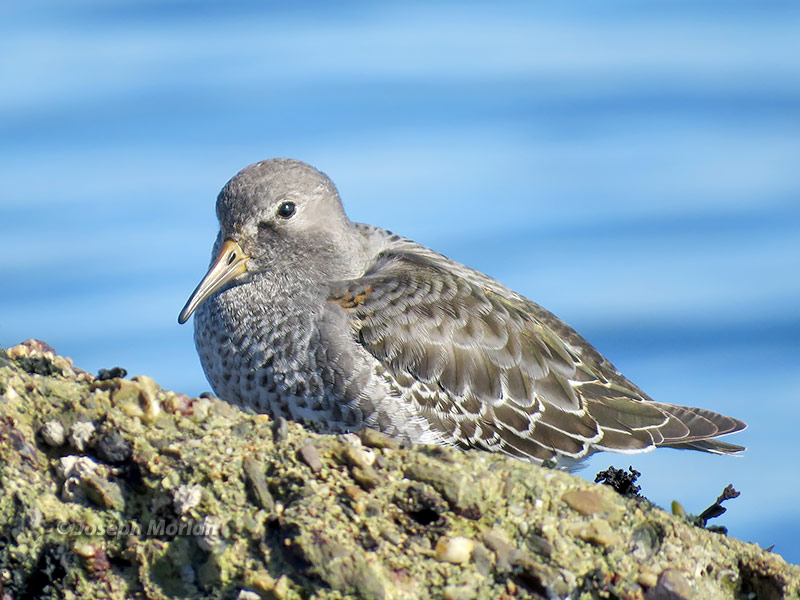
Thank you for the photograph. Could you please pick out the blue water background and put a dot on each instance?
(634, 167)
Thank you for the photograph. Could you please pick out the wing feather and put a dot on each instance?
(489, 368)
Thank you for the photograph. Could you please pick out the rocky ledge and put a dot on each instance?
(115, 488)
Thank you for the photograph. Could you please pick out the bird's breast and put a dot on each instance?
(265, 350)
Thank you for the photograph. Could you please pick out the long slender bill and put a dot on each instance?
(230, 263)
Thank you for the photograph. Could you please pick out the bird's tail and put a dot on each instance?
(702, 425)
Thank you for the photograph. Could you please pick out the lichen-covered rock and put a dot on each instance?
(115, 488)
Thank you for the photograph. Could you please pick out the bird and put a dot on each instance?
(340, 326)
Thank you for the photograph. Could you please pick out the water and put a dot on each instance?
(633, 168)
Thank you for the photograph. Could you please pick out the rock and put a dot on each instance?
(497, 541)
(647, 580)
(362, 458)
(104, 493)
(149, 395)
(482, 558)
(539, 544)
(80, 434)
(76, 466)
(596, 531)
(367, 478)
(341, 567)
(645, 541)
(460, 592)
(125, 391)
(254, 476)
(280, 429)
(456, 486)
(53, 433)
(113, 448)
(376, 439)
(671, 585)
(166, 496)
(310, 455)
(591, 502)
(456, 550)
(187, 497)
(210, 538)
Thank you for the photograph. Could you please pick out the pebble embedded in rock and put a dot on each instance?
(456, 550)
(187, 497)
(35, 518)
(178, 403)
(373, 509)
(375, 439)
(310, 456)
(254, 475)
(367, 477)
(482, 559)
(102, 492)
(672, 585)
(456, 487)
(113, 448)
(201, 408)
(149, 391)
(460, 592)
(53, 433)
(280, 429)
(391, 535)
(260, 580)
(558, 583)
(80, 434)
(539, 544)
(359, 457)
(76, 466)
(281, 589)
(354, 493)
(646, 540)
(351, 439)
(497, 541)
(597, 531)
(589, 502)
(124, 391)
(211, 537)
(647, 580)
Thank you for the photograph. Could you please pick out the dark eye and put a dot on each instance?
(287, 210)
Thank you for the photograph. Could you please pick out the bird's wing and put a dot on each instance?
(490, 369)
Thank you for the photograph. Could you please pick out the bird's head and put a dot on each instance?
(277, 216)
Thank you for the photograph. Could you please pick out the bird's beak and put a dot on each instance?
(230, 263)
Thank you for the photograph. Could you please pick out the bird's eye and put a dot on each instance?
(286, 210)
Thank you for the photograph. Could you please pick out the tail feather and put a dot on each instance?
(703, 425)
(712, 446)
(639, 425)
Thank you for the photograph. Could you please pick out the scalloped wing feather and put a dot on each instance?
(488, 368)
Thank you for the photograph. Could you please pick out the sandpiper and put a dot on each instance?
(307, 315)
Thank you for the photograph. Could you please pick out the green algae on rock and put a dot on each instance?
(115, 488)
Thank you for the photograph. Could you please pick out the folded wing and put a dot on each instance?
(490, 369)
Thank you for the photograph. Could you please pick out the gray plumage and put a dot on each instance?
(343, 325)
